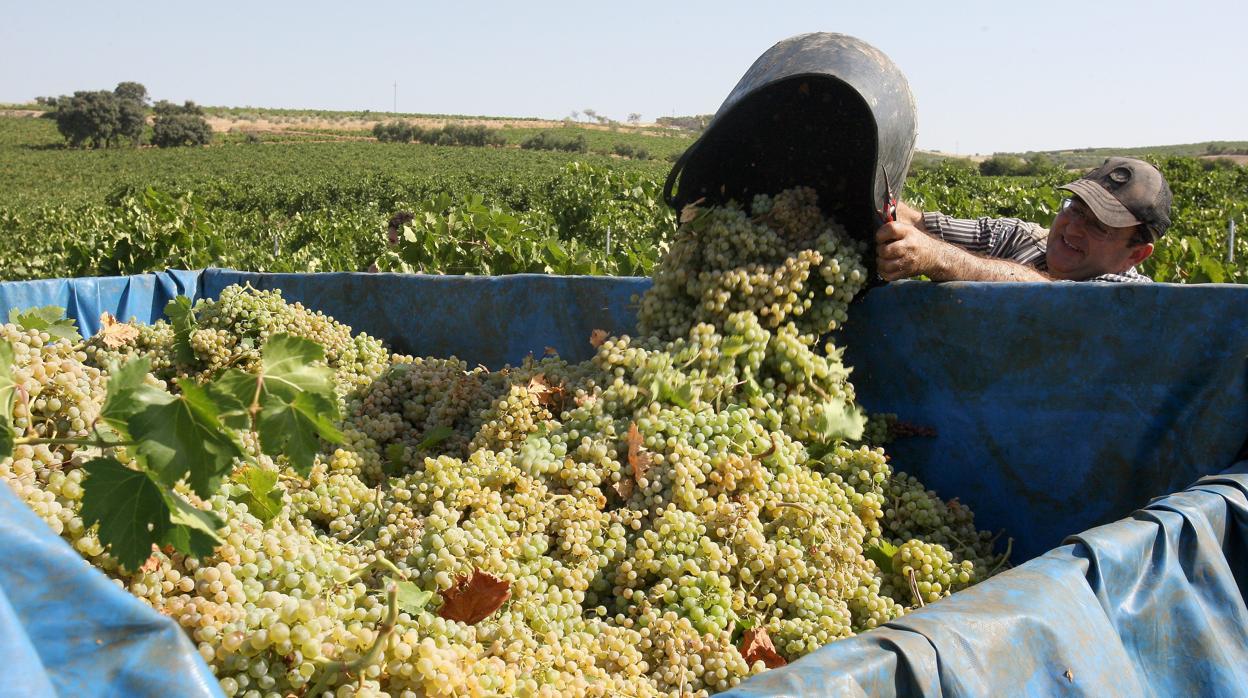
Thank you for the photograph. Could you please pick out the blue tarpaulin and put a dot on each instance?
(1056, 408)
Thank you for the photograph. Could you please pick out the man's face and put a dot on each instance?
(1081, 247)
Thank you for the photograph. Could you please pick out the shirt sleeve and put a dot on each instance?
(1001, 238)
(1130, 276)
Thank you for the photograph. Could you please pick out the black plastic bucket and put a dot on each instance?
(823, 110)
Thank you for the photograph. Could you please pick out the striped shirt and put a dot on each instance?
(1007, 238)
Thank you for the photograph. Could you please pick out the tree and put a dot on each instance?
(131, 110)
(634, 118)
(131, 90)
(590, 114)
(88, 116)
(179, 125)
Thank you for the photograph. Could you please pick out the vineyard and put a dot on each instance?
(301, 201)
(698, 504)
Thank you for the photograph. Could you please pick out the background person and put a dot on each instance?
(1109, 225)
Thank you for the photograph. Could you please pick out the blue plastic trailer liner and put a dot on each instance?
(1057, 408)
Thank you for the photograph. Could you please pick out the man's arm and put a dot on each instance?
(904, 250)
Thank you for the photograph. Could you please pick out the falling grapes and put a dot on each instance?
(691, 506)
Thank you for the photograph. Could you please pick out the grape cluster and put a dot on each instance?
(644, 507)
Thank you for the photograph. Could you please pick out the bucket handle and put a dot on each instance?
(672, 176)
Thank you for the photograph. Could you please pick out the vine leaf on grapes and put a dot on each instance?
(193, 531)
(182, 436)
(182, 316)
(8, 393)
(412, 598)
(128, 393)
(831, 420)
(259, 493)
(49, 318)
(882, 555)
(597, 337)
(290, 403)
(435, 436)
(135, 512)
(474, 597)
(115, 334)
(756, 645)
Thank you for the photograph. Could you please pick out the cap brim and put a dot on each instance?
(1105, 207)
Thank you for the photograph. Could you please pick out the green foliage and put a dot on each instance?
(553, 140)
(178, 126)
(1014, 166)
(257, 490)
(92, 117)
(101, 118)
(49, 318)
(131, 91)
(299, 207)
(396, 132)
(190, 438)
(630, 151)
(289, 404)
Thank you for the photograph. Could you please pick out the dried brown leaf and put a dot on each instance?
(756, 645)
(551, 351)
(637, 457)
(116, 334)
(474, 598)
(597, 337)
(152, 563)
(624, 488)
(550, 396)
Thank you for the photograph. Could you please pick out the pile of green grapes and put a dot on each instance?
(690, 507)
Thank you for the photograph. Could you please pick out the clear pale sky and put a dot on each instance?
(987, 76)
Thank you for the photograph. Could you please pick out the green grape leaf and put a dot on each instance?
(193, 531)
(49, 318)
(435, 436)
(8, 393)
(182, 437)
(836, 419)
(395, 452)
(882, 555)
(182, 316)
(134, 512)
(260, 493)
(293, 427)
(128, 394)
(233, 392)
(412, 598)
(289, 368)
(732, 346)
(128, 506)
(290, 403)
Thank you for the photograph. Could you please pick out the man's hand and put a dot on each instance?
(903, 251)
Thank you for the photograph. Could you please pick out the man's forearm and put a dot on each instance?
(956, 264)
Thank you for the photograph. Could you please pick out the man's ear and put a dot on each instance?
(1139, 253)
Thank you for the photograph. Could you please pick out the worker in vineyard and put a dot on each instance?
(1111, 221)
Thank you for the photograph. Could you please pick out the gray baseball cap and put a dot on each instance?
(1124, 192)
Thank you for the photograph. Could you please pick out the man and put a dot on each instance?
(1109, 225)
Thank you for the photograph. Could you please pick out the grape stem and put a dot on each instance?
(1009, 547)
(914, 589)
(331, 669)
(380, 561)
(89, 443)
